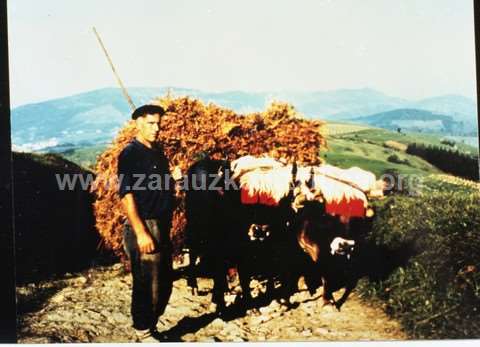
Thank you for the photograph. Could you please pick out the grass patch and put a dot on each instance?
(346, 153)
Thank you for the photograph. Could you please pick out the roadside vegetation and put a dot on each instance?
(437, 293)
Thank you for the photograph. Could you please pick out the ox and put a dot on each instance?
(219, 222)
(321, 212)
(333, 235)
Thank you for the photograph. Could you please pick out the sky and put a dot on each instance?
(411, 49)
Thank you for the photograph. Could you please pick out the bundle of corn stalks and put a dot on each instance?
(190, 128)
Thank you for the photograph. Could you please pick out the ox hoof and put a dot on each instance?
(215, 307)
(241, 300)
(192, 283)
(339, 304)
(329, 303)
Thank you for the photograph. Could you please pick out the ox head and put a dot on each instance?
(258, 232)
(341, 246)
(304, 188)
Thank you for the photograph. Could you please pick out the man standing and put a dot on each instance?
(146, 193)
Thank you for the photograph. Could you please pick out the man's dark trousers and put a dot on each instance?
(152, 274)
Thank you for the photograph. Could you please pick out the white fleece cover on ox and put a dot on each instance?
(248, 163)
(274, 182)
(365, 180)
(335, 191)
(352, 183)
(269, 176)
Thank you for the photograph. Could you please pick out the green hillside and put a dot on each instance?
(353, 145)
(85, 157)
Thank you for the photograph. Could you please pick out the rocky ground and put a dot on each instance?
(94, 306)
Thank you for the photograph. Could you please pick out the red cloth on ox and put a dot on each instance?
(256, 198)
(352, 208)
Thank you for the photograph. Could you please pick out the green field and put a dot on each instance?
(373, 157)
(353, 145)
(379, 136)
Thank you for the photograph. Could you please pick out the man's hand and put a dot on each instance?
(145, 242)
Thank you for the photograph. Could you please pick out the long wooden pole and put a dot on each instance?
(124, 90)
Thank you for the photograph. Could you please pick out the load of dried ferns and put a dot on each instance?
(190, 128)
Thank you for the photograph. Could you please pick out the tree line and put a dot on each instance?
(451, 161)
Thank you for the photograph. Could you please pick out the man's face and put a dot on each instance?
(148, 127)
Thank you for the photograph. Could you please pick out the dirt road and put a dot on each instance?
(94, 307)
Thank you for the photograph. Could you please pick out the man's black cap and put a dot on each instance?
(148, 109)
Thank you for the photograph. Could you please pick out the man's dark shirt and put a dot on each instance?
(136, 165)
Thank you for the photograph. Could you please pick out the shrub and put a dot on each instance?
(448, 142)
(437, 294)
(396, 159)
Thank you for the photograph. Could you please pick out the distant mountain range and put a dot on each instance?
(414, 120)
(95, 117)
